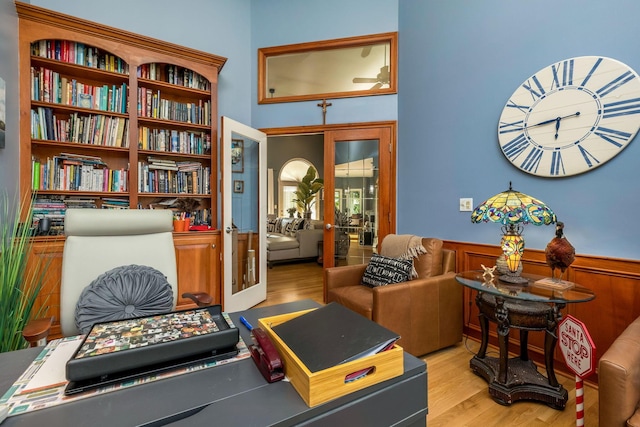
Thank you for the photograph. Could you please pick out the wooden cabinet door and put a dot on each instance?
(198, 259)
(48, 254)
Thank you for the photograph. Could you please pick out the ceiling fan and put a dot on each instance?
(381, 79)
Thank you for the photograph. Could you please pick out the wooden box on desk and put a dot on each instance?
(322, 386)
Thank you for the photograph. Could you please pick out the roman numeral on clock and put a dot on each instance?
(616, 83)
(621, 108)
(536, 92)
(591, 72)
(523, 108)
(531, 162)
(517, 145)
(505, 127)
(615, 137)
(587, 156)
(557, 165)
(562, 74)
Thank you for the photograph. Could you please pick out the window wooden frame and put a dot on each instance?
(350, 42)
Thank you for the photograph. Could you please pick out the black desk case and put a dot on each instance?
(128, 348)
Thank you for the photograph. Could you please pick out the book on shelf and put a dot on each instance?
(153, 166)
(82, 158)
(332, 335)
(161, 164)
(85, 100)
(114, 203)
(80, 203)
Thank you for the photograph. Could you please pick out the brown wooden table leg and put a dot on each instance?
(502, 318)
(524, 343)
(518, 378)
(484, 330)
(550, 341)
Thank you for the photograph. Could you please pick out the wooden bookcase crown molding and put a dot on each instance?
(84, 27)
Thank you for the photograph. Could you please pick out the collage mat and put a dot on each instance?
(127, 334)
(22, 398)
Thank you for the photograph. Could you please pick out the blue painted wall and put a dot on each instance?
(459, 63)
(281, 22)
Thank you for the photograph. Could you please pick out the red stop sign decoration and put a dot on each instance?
(577, 347)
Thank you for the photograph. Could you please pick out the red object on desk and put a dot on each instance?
(200, 228)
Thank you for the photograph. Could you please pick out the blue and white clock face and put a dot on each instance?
(571, 116)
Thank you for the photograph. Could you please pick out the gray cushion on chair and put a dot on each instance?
(122, 293)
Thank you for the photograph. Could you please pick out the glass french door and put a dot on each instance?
(244, 215)
(358, 194)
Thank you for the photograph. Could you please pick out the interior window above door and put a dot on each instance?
(339, 68)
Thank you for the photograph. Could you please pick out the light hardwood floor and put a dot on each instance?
(456, 396)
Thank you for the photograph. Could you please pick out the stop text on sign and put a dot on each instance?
(574, 340)
(577, 346)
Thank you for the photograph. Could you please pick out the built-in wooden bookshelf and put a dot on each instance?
(112, 119)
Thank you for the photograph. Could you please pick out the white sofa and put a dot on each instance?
(287, 241)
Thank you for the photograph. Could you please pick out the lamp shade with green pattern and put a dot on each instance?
(513, 210)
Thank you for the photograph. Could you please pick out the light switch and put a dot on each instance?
(466, 204)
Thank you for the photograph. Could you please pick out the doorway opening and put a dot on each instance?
(357, 164)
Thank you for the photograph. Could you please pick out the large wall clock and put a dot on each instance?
(571, 116)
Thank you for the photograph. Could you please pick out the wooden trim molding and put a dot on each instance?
(615, 281)
(311, 129)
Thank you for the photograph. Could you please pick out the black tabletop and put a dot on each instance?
(536, 288)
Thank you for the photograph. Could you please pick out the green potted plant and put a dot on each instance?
(308, 187)
(20, 280)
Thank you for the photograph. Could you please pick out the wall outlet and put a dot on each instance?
(466, 204)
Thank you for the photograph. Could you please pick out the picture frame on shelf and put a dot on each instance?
(238, 186)
(237, 156)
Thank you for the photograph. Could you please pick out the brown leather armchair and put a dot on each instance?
(426, 312)
(619, 380)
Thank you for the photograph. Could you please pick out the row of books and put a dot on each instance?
(174, 141)
(49, 86)
(85, 129)
(55, 208)
(77, 173)
(151, 104)
(191, 178)
(79, 54)
(175, 75)
(52, 208)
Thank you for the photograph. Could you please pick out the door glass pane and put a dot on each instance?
(245, 208)
(356, 200)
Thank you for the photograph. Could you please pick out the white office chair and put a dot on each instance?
(99, 240)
